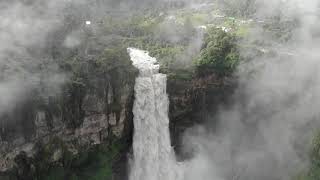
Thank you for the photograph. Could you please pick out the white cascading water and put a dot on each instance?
(153, 156)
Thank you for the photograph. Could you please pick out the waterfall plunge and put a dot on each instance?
(153, 155)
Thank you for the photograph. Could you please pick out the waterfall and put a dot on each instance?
(153, 156)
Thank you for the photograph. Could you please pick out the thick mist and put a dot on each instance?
(35, 34)
(25, 61)
(32, 34)
(265, 133)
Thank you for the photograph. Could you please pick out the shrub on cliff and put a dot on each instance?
(112, 67)
(90, 164)
(219, 53)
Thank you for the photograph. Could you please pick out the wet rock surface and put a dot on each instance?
(195, 102)
(79, 119)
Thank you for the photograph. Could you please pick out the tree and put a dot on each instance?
(243, 8)
(219, 53)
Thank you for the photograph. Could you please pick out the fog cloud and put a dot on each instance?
(265, 132)
(24, 28)
(31, 31)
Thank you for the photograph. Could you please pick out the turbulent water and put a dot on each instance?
(153, 156)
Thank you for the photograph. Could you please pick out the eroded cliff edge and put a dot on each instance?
(93, 112)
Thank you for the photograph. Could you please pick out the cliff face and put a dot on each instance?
(48, 131)
(81, 117)
(194, 102)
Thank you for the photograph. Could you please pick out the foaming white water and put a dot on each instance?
(153, 156)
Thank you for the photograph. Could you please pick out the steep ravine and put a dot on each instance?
(42, 133)
(99, 114)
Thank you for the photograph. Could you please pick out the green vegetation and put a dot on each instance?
(86, 73)
(136, 26)
(153, 37)
(242, 31)
(95, 164)
(281, 29)
(181, 75)
(219, 54)
(92, 164)
(313, 171)
(150, 32)
(110, 61)
(194, 18)
(244, 8)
